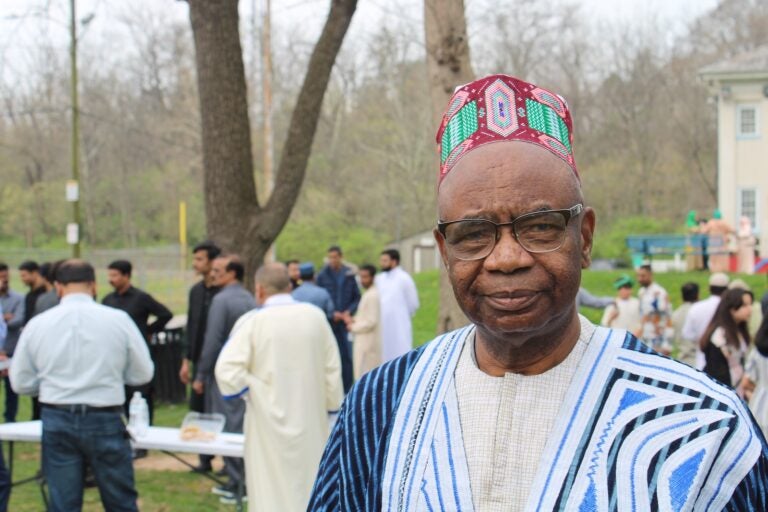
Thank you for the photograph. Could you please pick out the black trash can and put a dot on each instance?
(167, 351)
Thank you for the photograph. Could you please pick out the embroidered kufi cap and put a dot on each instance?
(504, 108)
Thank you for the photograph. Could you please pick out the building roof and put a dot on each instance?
(754, 63)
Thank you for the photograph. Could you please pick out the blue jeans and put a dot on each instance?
(5, 484)
(69, 440)
(11, 402)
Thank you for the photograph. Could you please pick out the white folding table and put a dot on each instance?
(164, 439)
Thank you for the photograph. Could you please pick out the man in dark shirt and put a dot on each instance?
(29, 272)
(200, 296)
(139, 305)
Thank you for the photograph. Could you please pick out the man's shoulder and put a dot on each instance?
(16, 296)
(109, 298)
(383, 382)
(198, 287)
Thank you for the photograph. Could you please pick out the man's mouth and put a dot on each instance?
(514, 301)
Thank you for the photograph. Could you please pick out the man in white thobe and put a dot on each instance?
(399, 302)
(284, 361)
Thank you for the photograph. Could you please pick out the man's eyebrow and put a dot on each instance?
(480, 216)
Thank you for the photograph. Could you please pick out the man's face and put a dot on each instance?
(117, 279)
(27, 277)
(386, 262)
(219, 273)
(644, 277)
(366, 279)
(3, 281)
(200, 263)
(334, 259)
(512, 290)
(293, 271)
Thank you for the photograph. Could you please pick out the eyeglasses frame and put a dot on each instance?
(567, 213)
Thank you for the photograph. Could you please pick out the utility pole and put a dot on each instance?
(73, 230)
(266, 88)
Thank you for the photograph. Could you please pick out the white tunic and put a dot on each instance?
(399, 301)
(284, 360)
(497, 413)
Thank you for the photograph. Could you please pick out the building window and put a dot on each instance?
(748, 205)
(747, 122)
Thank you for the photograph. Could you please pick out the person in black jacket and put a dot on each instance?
(140, 306)
(200, 296)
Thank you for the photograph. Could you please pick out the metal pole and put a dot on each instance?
(75, 127)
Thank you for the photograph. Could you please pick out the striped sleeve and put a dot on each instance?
(350, 471)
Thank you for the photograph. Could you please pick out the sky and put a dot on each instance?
(24, 22)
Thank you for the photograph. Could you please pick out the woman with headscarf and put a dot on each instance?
(719, 232)
(694, 259)
(746, 243)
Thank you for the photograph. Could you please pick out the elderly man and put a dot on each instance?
(78, 356)
(285, 358)
(531, 407)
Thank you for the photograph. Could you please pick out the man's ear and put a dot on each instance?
(441, 246)
(587, 235)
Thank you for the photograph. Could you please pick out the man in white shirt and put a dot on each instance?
(702, 312)
(399, 302)
(77, 357)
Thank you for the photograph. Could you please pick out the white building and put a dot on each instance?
(741, 87)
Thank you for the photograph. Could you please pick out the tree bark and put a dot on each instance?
(234, 217)
(449, 66)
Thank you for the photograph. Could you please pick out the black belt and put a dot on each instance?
(83, 408)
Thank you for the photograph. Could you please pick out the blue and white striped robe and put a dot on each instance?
(637, 431)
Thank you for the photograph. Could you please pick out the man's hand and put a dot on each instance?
(3, 357)
(198, 387)
(184, 374)
(338, 316)
(7, 317)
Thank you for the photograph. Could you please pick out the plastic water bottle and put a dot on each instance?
(138, 415)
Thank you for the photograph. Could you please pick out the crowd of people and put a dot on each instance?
(217, 302)
(528, 407)
(711, 334)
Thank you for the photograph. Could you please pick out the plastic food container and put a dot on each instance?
(198, 427)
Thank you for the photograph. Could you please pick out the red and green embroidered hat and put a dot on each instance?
(503, 108)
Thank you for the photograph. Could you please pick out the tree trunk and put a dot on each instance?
(449, 66)
(234, 217)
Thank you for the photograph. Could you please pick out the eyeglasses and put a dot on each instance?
(536, 232)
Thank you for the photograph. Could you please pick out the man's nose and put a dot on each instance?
(507, 255)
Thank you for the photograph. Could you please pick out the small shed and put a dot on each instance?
(418, 252)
